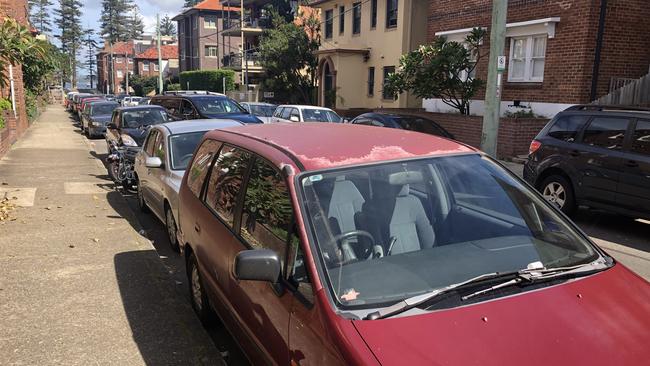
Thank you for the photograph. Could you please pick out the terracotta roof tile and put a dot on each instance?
(120, 48)
(213, 5)
(167, 52)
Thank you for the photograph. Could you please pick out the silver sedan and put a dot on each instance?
(160, 165)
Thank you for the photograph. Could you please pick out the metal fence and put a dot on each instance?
(633, 93)
(242, 96)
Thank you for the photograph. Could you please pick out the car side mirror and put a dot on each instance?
(257, 265)
(153, 162)
(111, 126)
(294, 119)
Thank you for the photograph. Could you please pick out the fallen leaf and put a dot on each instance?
(59, 206)
(48, 208)
(70, 246)
(91, 215)
(95, 198)
(96, 240)
(5, 183)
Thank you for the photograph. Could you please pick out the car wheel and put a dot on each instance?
(142, 205)
(198, 297)
(557, 190)
(171, 229)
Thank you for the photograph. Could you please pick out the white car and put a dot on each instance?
(263, 111)
(160, 165)
(131, 101)
(304, 113)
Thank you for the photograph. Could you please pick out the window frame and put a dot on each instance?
(155, 66)
(145, 65)
(204, 182)
(528, 59)
(392, 23)
(371, 81)
(149, 143)
(208, 20)
(329, 24)
(342, 19)
(207, 51)
(621, 147)
(373, 14)
(356, 18)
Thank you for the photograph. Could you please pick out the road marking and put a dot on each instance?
(87, 187)
(24, 197)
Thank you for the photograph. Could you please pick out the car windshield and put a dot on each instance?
(391, 231)
(320, 115)
(102, 109)
(419, 125)
(217, 105)
(144, 117)
(262, 110)
(182, 147)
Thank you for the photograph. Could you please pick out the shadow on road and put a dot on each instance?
(614, 228)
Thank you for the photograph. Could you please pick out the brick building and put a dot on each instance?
(146, 63)
(202, 43)
(15, 118)
(122, 62)
(551, 48)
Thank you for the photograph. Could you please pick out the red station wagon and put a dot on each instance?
(330, 244)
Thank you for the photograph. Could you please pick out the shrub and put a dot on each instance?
(4, 105)
(210, 80)
(172, 87)
(31, 105)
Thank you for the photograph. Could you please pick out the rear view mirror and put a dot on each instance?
(257, 265)
(153, 162)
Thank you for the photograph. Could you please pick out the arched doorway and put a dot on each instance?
(327, 83)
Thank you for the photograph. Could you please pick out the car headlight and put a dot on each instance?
(128, 140)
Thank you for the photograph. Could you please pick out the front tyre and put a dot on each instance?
(558, 190)
(142, 205)
(171, 229)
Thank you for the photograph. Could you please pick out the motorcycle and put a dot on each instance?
(121, 160)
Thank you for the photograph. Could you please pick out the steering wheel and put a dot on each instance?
(347, 252)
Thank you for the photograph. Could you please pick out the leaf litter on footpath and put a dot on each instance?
(6, 206)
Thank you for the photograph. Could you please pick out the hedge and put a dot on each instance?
(210, 80)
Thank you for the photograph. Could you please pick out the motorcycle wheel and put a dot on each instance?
(113, 170)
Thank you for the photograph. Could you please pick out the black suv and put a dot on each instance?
(203, 106)
(595, 156)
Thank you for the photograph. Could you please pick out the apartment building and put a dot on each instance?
(146, 63)
(559, 53)
(201, 35)
(361, 43)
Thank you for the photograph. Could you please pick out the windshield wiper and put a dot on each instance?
(534, 271)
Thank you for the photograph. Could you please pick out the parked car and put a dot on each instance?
(203, 106)
(96, 116)
(84, 101)
(340, 244)
(594, 156)
(76, 101)
(160, 165)
(131, 101)
(144, 101)
(263, 111)
(128, 126)
(304, 113)
(402, 121)
(67, 103)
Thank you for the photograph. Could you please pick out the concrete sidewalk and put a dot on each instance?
(78, 284)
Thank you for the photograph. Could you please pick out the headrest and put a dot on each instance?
(340, 178)
(407, 177)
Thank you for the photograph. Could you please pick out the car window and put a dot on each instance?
(197, 173)
(102, 109)
(181, 148)
(225, 182)
(267, 213)
(606, 132)
(319, 115)
(286, 112)
(641, 138)
(144, 117)
(261, 110)
(117, 119)
(172, 105)
(187, 109)
(216, 105)
(278, 112)
(159, 147)
(420, 125)
(151, 140)
(361, 121)
(294, 113)
(566, 128)
(297, 272)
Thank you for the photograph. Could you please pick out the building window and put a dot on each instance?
(373, 13)
(119, 73)
(130, 60)
(341, 19)
(182, 54)
(196, 52)
(194, 21)
(371, 81)
(384, 93)
(391, 13)
(210, 22)
(211, 51)
(527, 58)
(329, 26)
(145, 66)
(118, 60)
(356, 18)
(155, 67)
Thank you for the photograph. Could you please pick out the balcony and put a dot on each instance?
(233, 27)
(234, 61)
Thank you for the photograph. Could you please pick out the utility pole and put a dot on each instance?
(244, 63)
(495, 72)
(160, 69)
(111, 77)
(126, 67)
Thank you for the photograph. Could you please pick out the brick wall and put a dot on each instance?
(570, 55)
(15, 126)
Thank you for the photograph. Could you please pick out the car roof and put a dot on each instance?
(304, 106)
(194, 125)
(318, 145)
(137, 107)
(258, 103)
(103, 102)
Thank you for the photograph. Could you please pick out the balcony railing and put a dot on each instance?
(260, 22)
(252, 59)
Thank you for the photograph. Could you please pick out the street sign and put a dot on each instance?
(501, 63)
(268, 95)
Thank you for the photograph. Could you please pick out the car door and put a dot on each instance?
(156, 176)
(141, 168)
(277, 114)
(600, 157)
(187, 110)
(295, 115)
(286, 112)
(634, 186)
(112, 134)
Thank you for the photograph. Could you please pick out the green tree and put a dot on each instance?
(115, 20)
(91, 45)
(287, 54)
(39, 67)
(190, 3)
(142, 85)
(441, 70)
(16, 43)
(136, 26)
(167, 26)
(39, 15)
(69, 23)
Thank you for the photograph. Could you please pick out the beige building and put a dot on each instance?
(361, 43)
